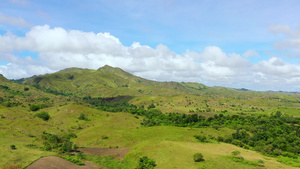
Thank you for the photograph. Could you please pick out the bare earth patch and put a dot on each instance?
(118, 152)
(53, 162)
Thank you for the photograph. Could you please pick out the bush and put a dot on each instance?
(146, 163)
(236, 153)
(201, 138)
(73, 159)
(43, 115)
(151, 106)
(34, 107)
(82, 117)
(220, 139)
(75, 147)
(198, 157)
(67, 146)
(13, 147)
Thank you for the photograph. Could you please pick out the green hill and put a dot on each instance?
(166, 121)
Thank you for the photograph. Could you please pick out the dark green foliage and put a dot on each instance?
(201, 138)
(75, 147)
(151, 106)
(10, 91)
(43, 115)
(74, 159)
(67, 146)
(36, 107)
(274, 135)
(4, 87)
(62, 143)
(146, 163)
(220, 139)
(26, 88)
(198, 157)
(241, 159)
(236, 153)
(13, 147)
(49, 90)
(104, 137)
(82, 117)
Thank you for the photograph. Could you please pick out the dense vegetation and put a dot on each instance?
(274, 135)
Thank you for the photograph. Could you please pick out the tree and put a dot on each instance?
(198, 157)
(13, 147)
(146, 163)
(67, 146)
(75, 147)
(82, 117)
(151, 106)
(43, 115)
(34, 107)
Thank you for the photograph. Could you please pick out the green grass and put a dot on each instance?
(170, 147)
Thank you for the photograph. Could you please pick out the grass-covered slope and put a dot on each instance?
(79, 105)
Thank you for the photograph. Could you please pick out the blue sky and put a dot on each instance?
(251, 44)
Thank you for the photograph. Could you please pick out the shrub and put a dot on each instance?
(220, 139)
(75, 147)
(236, 153)
(146, 163)
(43, 115)
(34, 107)
(67, 146)
(201, 138)
(73, 159)
(151, 106)
(104, 137)
(82, 117)
(198, 157)
(13, 147)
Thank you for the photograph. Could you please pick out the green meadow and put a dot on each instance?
(84, 107)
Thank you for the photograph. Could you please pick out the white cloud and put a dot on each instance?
(292, 41)
(16, 21)
(250, 53)
(277, 67)
(58, 48)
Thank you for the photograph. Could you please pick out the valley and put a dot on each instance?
(74, 109)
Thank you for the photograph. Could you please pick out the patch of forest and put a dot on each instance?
(275, 135)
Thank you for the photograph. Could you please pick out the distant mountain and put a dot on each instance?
(106, 81)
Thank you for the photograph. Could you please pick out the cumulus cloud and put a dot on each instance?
(58, 48)
(277, 67)
(16, 21)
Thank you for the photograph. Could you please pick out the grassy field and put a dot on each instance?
(62, 93)
(170, 147)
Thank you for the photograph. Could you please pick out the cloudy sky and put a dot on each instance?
(252, 44)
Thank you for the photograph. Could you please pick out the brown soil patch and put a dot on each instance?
(118, 152)
(53, 162)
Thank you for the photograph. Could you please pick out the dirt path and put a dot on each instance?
(119, 152)
(53, 162)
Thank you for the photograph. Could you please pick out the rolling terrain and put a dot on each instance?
(165, 121)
